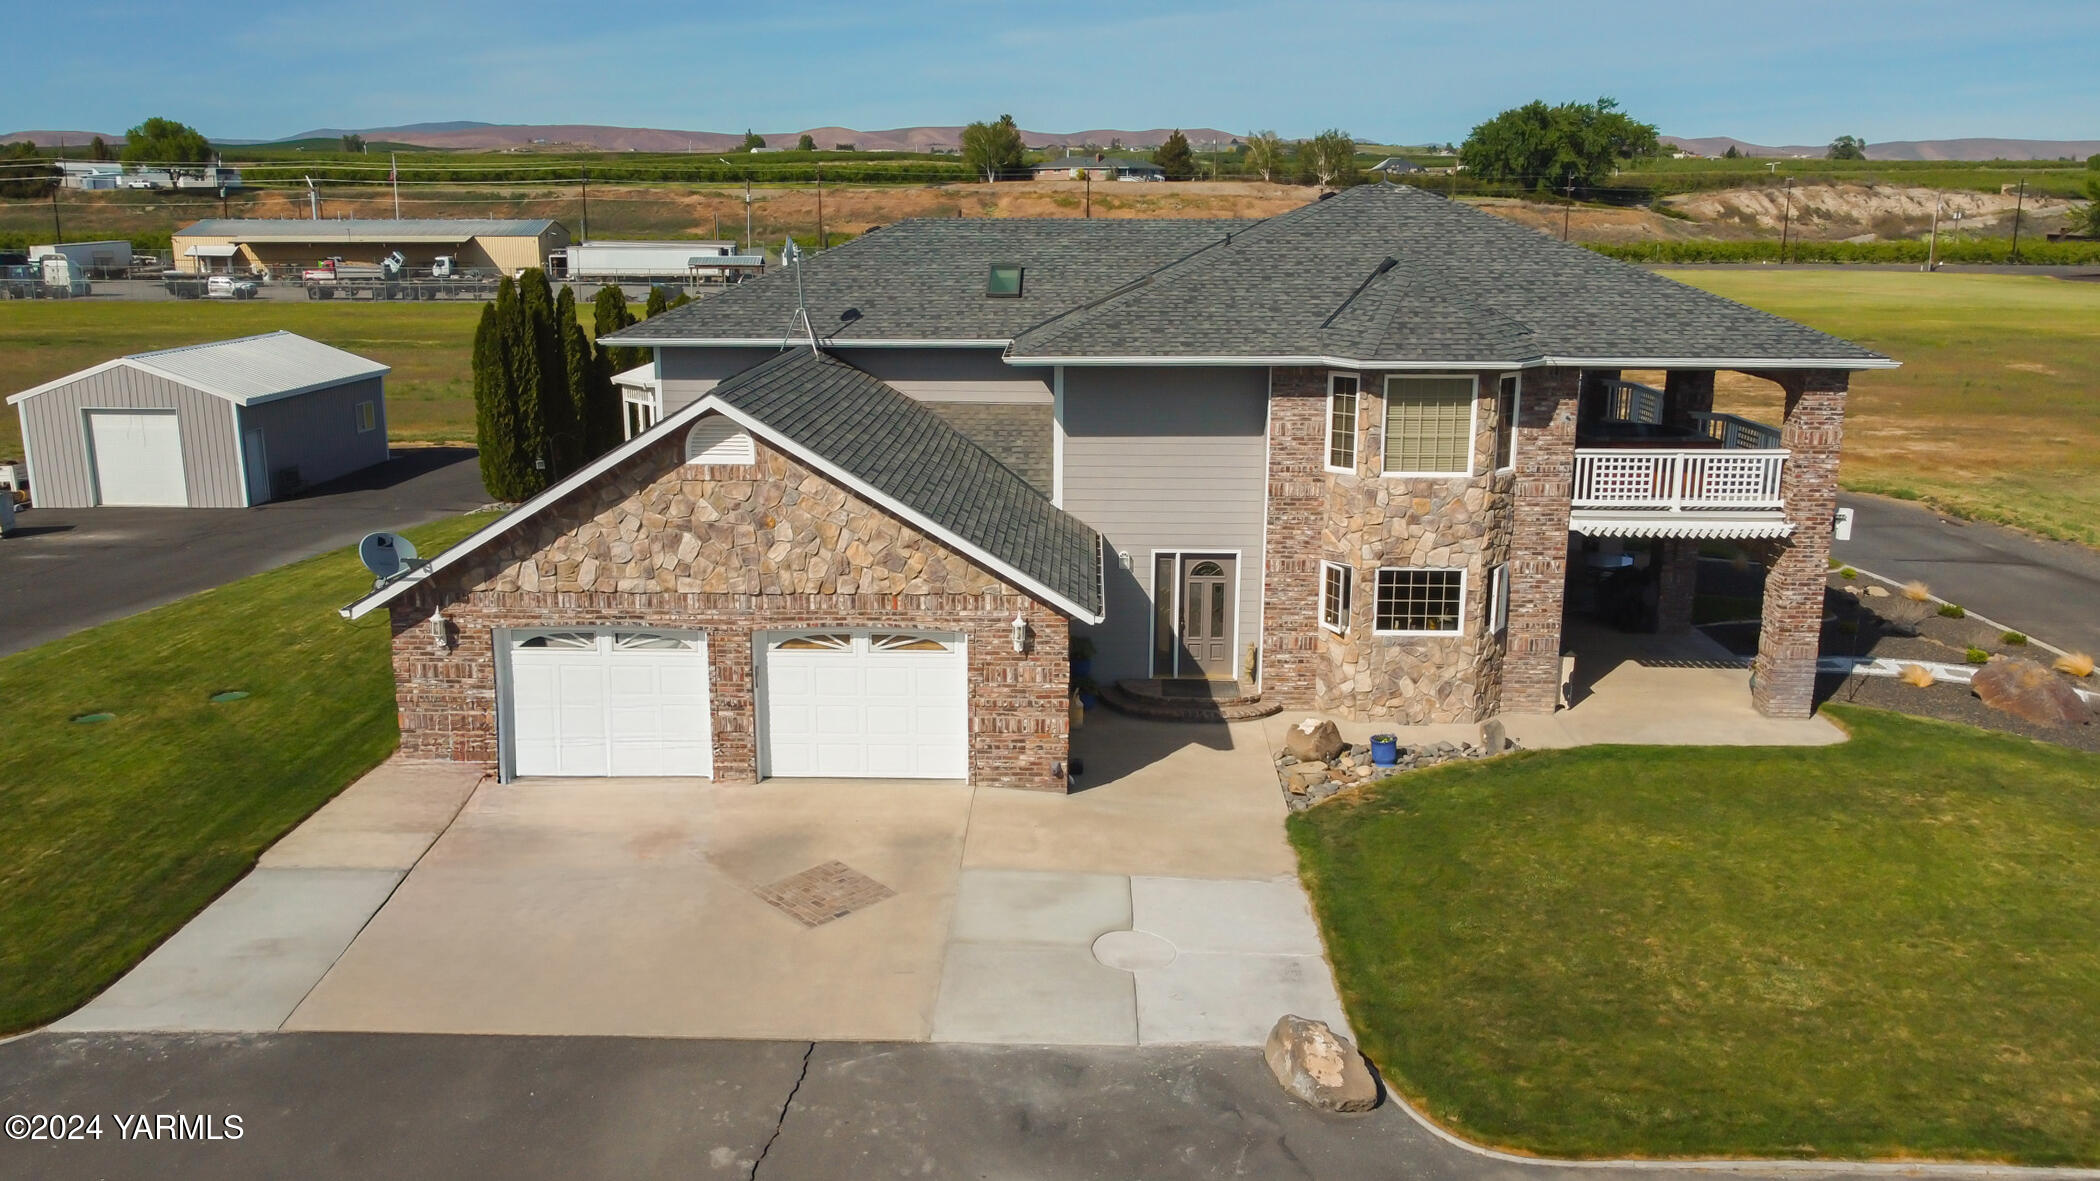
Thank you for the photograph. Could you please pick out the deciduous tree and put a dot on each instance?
(1846, 147)
(1265, 154)
(806, 144)
(753, 140)
(160, 140)
(1573, 145)
(1330, 159)
(993, 149)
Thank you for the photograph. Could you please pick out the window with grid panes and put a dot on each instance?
(1429, 425)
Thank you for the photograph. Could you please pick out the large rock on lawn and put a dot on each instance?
(1319, 1066)
(2030, 692)
(1314, 741)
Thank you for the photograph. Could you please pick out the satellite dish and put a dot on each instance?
(386, 554)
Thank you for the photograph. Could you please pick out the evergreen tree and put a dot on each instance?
(1175, 158)
(584, 373)
(521, 367)
(557, 438)
(609, 314)
(657, 305)
(495, 405)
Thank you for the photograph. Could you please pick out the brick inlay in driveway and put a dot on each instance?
(824, 892)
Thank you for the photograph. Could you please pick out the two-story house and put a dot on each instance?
(1353, 458)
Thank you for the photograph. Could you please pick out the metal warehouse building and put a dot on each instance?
(243, 244)
(223, 425)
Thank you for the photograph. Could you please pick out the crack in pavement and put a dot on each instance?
(808, 1049)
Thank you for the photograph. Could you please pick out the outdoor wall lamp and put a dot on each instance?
(438, 633)
(1020, 627)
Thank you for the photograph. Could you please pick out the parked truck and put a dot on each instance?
(653, 262)
(392, 278)
(99, 260)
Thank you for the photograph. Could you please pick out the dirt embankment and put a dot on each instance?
(1853, 211)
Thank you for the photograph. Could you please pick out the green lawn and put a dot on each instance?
(1995, 414)
(1882, 949)
(117, 832)
(429, 395)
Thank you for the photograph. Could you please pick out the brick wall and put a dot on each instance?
(1538, 548)
(729, 551)
(1677, 583)
(1783, 677)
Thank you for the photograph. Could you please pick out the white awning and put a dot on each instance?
(1678, 525)
(226, 251)
(641, 377)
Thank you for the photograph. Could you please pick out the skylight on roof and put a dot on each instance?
(1004, 281)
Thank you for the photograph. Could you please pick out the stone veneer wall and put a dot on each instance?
(1538, 548)
(1365, 520)
(728, 551)
(1783, 677)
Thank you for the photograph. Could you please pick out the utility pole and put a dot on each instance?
(1787, 223)
(1088, 173)
(393, 176)
(1567, 211)
(820, 207)
(747, 215)
(586, 204)
(1932, 251)
(58, 233)
(2019, 204)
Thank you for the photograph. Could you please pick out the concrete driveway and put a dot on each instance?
(1157, 906)
(69, 569)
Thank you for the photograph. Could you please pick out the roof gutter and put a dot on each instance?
(1481, 363)
(773, 342)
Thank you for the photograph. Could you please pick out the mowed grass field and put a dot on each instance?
(429, 395)
(1995, 414)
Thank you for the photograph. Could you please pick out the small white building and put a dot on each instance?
(91, 175)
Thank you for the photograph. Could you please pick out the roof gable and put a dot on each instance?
(880, 444)
(246, 370)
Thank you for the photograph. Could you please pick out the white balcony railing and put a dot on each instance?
(1652, 480)
(1733, 430)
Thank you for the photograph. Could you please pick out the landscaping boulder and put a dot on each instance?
(1314, 741)
(1319, 1066)
(2030, 692)
(1494, 736)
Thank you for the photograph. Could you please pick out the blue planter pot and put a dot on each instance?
(1385, 750)
(1082, 668)
(1089, 700)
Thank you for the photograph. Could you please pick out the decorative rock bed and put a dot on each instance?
(1306, 782)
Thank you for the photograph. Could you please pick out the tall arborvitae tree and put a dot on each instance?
(658, 303)
(590, 385)
(521, 367)
(494, 416)
(556, 436)
(609, 314)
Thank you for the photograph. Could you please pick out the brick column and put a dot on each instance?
(1538, 545)
(1677, 578)
(1290, 642)
(1783, 678)
(1685, 391)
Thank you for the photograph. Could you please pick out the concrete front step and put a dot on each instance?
(1137, 703)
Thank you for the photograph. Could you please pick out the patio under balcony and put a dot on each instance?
(1660, 462)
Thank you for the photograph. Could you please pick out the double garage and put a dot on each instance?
(858, 703)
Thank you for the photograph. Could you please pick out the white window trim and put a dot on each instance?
(1498, 598)
(1464, 582)
(1356, 441)
(1348, 596)
(367, 412)
(1472, 431)
(1516, 415)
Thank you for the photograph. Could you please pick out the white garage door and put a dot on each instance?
(891, 705)
(610, 703)
(138, 457)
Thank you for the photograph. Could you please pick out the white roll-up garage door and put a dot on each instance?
(891, 705)
(609, 703)
(138, 457)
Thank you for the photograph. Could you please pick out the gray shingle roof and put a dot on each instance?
(908, 453)
(1462, 286)
(924, 280)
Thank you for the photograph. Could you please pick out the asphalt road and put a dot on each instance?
(381, 1105)
(2048, 589)
(69, 569)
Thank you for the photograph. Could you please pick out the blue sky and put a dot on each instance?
(1776, 72)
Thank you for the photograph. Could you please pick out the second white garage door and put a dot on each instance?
(889, 705)
(138, 457)
(610, 703)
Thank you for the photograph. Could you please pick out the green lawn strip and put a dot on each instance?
(1888, 948)
(117, 832)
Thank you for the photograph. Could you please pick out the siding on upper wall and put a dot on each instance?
(317, 433)
(687, 373)
(55, 432)
(953, 375)
(1166, 459)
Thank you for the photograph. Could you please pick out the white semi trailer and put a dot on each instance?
(653, 262)
(103, 260)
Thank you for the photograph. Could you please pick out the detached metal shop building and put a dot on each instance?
(243, 244)
(230, 424)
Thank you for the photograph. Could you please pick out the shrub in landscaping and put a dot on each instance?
(1917, 592)
(1917, 675)
(1978, 656)
(2012, 639)
(1953, 611)
(2078, 664)
(1847, 573)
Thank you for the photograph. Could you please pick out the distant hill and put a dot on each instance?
(470, 135)
(52, 139)
(1904, 149)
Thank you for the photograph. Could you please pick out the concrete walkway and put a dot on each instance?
(1157, 905)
